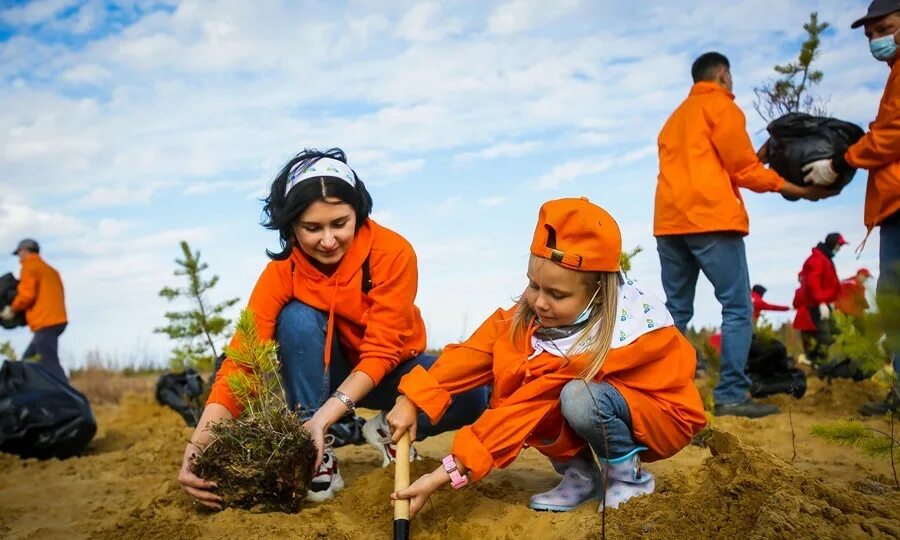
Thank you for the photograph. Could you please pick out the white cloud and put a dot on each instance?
(424, 22)
(501, 150)
(571, 171)
(492, 201)
(520, 15)
(35, 11)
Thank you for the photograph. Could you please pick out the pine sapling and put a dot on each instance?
(7, 352)
(264, 457)
(626, 258)
(198, 328)
(872, 441)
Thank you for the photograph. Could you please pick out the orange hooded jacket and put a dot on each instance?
(705, 155)
(879, 153)
(378, 330)
(40, 294)
(654, 374)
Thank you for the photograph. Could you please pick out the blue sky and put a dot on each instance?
(127, 126)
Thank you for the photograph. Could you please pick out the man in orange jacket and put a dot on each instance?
(40, 295)
(705, 155)
(878, 151)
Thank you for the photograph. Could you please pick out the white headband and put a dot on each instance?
(324, 167)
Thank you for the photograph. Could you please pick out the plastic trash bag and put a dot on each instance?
(41, 416)
(771, 370)
(183, 392)
(8, 284)
(797, 139)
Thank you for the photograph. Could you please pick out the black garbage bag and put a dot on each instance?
(8, 284)
(183, 392)
(797, 139)
(41, 416)
(844, 368)
(792, 381)
(772, 371)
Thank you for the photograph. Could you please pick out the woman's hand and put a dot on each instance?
(317, 429)
(402, 418)
(195, 486)
(420, 490)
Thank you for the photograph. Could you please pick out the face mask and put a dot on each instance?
(587, 311)
(883, 48)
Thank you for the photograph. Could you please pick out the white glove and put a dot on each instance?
(820, 173)
(7, 314)
(824, 312)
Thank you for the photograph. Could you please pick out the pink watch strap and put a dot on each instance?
(456, 480)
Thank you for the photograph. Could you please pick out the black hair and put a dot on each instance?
(759, 289)
(282, 210)
(706, 66)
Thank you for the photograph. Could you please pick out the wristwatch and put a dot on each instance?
(456, 480)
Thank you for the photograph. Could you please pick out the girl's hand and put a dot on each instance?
(420, 490)
(195, 486)
(402, 418)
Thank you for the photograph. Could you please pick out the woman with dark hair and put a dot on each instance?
(338, 299)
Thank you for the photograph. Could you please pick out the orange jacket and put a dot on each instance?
(654, 374)
(40, 294)
(705, 155)
(378, 330)
(852, 298)
(879, 153)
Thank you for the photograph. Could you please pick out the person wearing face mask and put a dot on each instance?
(584, 363)
(705, 157)
(338, 298)
(819, 290)
(879, 153)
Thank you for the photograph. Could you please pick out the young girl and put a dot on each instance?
(338, 299)
(584, 361)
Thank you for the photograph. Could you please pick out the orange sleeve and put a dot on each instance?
(881, 145)
(729, 138)
(391, 319)
(272, 291)
(26, 292)
(459, 368)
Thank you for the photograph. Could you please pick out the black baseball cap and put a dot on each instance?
(28, 244)
(877, 10)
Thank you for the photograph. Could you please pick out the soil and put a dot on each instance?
(742, 486)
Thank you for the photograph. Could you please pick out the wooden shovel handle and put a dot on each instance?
(401, 476)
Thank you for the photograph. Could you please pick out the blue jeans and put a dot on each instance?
(300, 333)
(888, 291)
(45, 344)
(723, 260)
(594, 408)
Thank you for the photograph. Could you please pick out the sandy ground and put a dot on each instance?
(125, 488)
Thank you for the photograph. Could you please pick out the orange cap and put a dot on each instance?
(577, 234)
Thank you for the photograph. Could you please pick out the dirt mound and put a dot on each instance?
(125, 488)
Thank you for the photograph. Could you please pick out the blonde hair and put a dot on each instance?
(596, 338)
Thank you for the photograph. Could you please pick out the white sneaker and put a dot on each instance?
(327, 481)
(377, 432)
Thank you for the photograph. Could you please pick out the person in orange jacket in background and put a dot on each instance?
(338, 298)
(583, 361)
(878, 151)
(760, 305)
(852, 297)
(705, 157)
(41, 296)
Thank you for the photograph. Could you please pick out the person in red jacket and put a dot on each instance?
(338, 298)
(819, 289)
(41, 296)
(760, 305)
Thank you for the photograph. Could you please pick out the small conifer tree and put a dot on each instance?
(791, 91)
(7, 352)
(626, 258)
(872, 441)
(198, 328)
(265, 456)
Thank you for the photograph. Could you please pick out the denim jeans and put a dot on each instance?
(594, 408)
(723, 260)
(889, 286)
(300, 333)
(45, 344)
